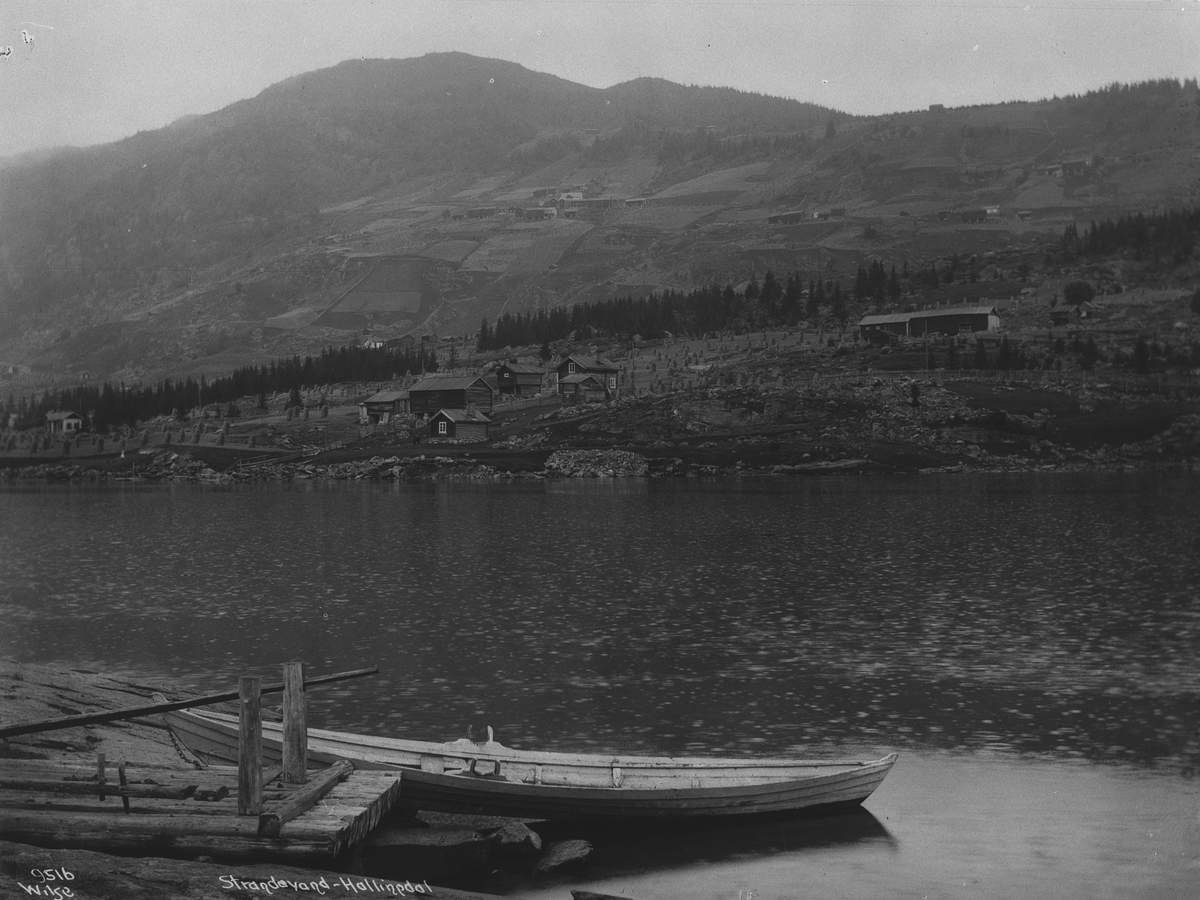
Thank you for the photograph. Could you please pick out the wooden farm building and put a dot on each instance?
(582, 387)
(63, 421)
(459, 425)
(383, 407)
(1070, 315)
(604, 370)
(788, 218)
(519, 379)
(436, 392)
(950, 320)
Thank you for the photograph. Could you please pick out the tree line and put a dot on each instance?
(769, 303)
(1172, 233)
(111, 406)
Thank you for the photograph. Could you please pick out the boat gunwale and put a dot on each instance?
(224, 721)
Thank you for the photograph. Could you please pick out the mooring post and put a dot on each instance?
(295, 724)
(250, 774)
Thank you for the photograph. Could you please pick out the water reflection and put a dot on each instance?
(631, 850)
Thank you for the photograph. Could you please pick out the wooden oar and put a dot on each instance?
(133, 712)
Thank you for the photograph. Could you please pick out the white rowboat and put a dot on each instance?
(487, 778)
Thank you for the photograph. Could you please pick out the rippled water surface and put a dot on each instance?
(986, 618)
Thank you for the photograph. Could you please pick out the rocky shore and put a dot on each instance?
(866, 424)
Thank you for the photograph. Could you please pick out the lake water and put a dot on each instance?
(1030, 644)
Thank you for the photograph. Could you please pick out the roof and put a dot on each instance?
(954, 311)
(57, 415)
(580, 378)
(447, 383)
(387, 397)
(522, 368)
(463, 415)
(890, 319)
(900, 318)
(590, 362)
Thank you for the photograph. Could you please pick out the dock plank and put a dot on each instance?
(176, 826)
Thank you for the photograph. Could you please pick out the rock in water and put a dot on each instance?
(563, 853)
(516, 839)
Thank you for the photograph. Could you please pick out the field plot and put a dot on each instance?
(481, 187)
(548, 248)
(499, 251)
(381, 301)
(660, 218)
(526, 248)
(914, 207)
(630, 178)
(451, 251)
(297, 318)
(705, 198)
(1040, 196)
(395, 287)
(611, 240)
(737, 179)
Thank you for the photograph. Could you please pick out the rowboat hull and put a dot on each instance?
(491, 779)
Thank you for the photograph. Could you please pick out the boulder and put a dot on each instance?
(563, 853)
(516, 839)
(423, 852)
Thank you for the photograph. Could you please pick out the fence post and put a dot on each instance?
(250, 773)
(295, 724)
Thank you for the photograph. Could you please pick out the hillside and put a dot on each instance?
(337, 202)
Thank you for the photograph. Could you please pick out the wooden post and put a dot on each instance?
(295, 724)
(124, 782)
(250, 783)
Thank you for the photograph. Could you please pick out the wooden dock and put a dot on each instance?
(189, 813)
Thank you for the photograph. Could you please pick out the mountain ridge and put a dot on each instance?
(286, 191)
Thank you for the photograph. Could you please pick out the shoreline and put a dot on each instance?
(184, 467)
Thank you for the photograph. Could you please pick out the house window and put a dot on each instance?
(612, 382)
(570, 368)
(441, 427)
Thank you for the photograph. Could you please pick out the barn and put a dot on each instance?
(950, 320)
(954, 320)
(383, 407)
(436, 392)
(466, 425)
(893, 323)
(582, 387)
(519, 379)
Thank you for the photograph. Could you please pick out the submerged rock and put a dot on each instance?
(516, 839)
(563, 853)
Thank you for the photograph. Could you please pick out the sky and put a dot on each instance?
(81, 73)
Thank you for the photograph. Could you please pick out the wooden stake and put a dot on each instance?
(295, 724)
(124, 782)
(100, 771)
(250, 783)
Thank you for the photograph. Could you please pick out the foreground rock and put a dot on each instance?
(32, 693)
(431, 853)
(516, 840)
(561, 854)
(596, 463)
